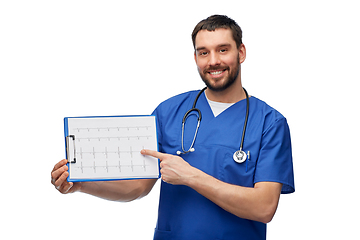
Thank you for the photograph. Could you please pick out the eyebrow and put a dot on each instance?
(200, 48)
(224, 45)
(218, 46)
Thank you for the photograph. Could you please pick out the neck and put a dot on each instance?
(232, 94)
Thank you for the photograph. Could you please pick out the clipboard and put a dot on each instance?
(108, 147)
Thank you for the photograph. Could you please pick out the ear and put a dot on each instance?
(195, 57)
(242, 53)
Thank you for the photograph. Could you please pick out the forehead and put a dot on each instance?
(210, 39)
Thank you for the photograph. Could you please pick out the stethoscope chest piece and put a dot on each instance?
(239, 156)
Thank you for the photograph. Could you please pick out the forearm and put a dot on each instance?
(122, 191)
(258, 203)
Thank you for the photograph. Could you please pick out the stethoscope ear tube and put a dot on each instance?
(191, 149)
(190, 111)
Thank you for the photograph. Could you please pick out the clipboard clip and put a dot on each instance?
(70, 149)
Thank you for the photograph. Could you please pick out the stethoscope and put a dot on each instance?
(239, 156)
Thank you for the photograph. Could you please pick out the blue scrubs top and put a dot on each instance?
(184, 213)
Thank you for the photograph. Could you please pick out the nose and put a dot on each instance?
(214, 59)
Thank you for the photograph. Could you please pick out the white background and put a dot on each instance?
(78, 58)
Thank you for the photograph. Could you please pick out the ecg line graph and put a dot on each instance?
(106, 153)
(109, 128)
(113, 154)
(109, 138)
(110, 154)
(118, 166)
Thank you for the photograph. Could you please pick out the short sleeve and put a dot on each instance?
(275, 158)
(158, 128)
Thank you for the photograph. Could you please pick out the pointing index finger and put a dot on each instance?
(152, 153)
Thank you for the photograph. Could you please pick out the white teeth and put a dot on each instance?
(216, 73)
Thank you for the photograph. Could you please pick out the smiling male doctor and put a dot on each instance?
(205, 194)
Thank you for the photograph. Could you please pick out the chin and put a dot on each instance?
(220, 86)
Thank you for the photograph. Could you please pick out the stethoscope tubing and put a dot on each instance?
(236, 156)
(246, 119)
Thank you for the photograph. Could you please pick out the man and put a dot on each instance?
(205, 194)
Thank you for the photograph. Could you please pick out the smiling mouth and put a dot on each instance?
(217, 72)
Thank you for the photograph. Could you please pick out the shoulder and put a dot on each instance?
(175, 102)
(269, 115)
(180, 97)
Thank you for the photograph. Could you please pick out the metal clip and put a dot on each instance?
(70, 149)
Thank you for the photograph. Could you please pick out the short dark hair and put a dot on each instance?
(219, 21)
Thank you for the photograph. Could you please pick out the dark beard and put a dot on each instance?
(229, 81)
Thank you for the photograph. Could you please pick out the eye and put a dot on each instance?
(203, 53)
(223, 50)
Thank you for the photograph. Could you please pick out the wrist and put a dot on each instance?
(77, 186)
(193, 177)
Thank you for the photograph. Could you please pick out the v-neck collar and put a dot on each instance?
(207, 111)
(218, 107)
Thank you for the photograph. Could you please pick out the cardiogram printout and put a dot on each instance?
(108, 148)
